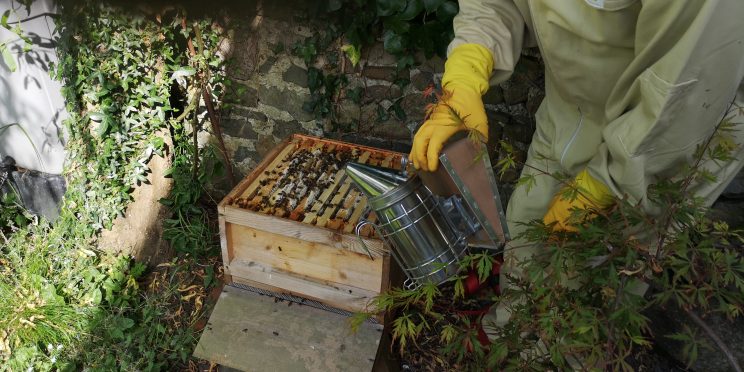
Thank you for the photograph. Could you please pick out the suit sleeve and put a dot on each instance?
(688, 65)
(497, 25)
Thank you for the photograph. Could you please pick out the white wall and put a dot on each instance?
(29, 96)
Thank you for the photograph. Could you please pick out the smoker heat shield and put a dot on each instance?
(466, 170)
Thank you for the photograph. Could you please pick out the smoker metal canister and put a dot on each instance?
(424, 241)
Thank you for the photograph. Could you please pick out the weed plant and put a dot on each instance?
(64, 304)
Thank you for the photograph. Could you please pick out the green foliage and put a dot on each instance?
(581, 302)
(189, 230)
(53, 288)
(65, 305)
(12, 215)
(15, 28)
(406, 27)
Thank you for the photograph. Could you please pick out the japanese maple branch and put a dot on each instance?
(716, 339)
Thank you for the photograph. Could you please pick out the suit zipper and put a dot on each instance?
(573, 136)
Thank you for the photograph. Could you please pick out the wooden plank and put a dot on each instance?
(335, 202)
(238, 190)
(276, 281)
(272, 162)
(351, 199)
(368, 231)
(351, 146)
(224, 245)
(310, 259)
(322, 199)
(299, 230)
(364, 158)
(250, 332)
(318, 270)
(355, 216)
(388, 161)
(341, 288)
(385, 282)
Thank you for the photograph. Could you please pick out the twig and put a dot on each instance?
(615, 306)
(196, 145)
(716, 339)
(213, 117)
(686, 184)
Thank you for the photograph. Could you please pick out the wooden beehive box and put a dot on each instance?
(289, 226)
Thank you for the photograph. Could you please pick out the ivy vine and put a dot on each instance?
(405, 27)
(129, 83)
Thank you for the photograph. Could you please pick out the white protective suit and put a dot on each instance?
(632, 88)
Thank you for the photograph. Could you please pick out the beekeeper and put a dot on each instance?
(632, 87)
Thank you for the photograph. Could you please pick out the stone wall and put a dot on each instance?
(272, 85)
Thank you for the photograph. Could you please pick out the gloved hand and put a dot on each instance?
(465, 80)
(592, 194)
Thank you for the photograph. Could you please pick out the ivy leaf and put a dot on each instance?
(392, 42)
(396, 25)
(432, 5)
(94, 296)
(405, 62)
(314, 79)
(353, 53)
(355, 94)
(103, 127)
(307, 51)
(413, 8)
(4, 19)
(447, 11)
(183, 72)
(334, 5)
(400, 114)
(382, 115)
(8, 58)
(389, 7)
(96, 116)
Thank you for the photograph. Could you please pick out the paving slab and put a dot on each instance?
(251, 332)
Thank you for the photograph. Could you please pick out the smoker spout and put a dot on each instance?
(374, 181)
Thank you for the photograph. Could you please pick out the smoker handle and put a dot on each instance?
(404, 162)
(358, 229)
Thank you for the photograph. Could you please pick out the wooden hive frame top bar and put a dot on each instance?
(303, 180)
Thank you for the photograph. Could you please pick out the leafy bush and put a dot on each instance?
(580, 304)
(65, 305)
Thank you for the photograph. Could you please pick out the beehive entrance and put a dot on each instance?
(306, 183)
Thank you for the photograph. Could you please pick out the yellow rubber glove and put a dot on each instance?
(592, 194)
(465, 81)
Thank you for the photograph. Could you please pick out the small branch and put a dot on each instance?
(197, 127)
(716, 339)
(213, 117)
(688, 181)
(47, 14)
(615, 306)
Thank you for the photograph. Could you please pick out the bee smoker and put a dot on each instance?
(430, 220)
